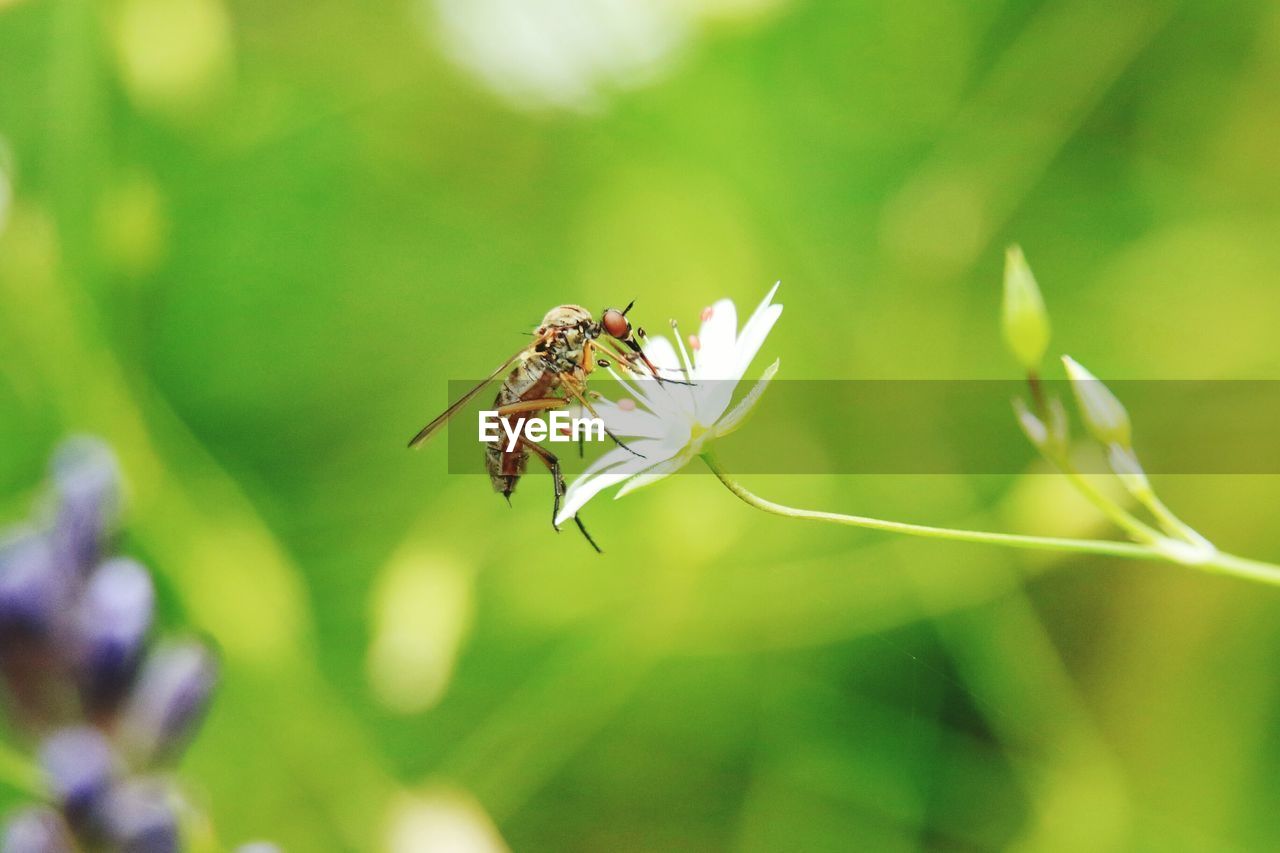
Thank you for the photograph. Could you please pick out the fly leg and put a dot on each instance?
(577, 519)
(557, 478)
(509, 461)
(629, 362)
(573, 390)
(637, 355)
(528, 407)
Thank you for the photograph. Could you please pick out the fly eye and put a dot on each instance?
(615, 324)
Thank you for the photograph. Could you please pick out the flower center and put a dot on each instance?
(698, 435)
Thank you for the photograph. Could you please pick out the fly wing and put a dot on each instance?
(432, 428)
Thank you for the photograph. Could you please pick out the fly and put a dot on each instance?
(550, 373)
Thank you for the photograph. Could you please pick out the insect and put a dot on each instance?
(566, 347)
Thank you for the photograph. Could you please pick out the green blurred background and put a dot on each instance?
(250, 243)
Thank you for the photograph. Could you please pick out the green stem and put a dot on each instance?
(1119, 516)
(1170, 522)
(1060, 457)
(1218, 562)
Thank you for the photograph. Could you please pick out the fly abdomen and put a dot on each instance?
(505, 467)
(528, 381)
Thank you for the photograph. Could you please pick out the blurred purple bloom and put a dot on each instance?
(112, 622)
(75, 668)
(170, 698)
(34, 597)
(36, 830)
(32, 590)
(87, 482)
(140, 817)
(80, 767)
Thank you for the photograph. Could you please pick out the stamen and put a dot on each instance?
(684, 355)
(694, 343)
(630, 390)
(706, 313)
(626, 404)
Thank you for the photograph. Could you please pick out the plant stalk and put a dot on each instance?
(1217, 562)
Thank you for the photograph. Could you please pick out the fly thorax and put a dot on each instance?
(568, 355)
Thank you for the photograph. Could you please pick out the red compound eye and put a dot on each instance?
(615, 324)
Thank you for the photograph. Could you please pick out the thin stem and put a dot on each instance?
(1012, 540)
(1061, 459)
(1120, 516)
(1169, 521)
(1243, 567)
(1227, 564)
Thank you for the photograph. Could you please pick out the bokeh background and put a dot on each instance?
(250, 243)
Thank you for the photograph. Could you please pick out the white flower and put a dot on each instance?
(672, 423)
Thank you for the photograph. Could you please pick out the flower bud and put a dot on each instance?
(1051, 435)
(1103, 415)
(80, 767)
(31, 588)
(169, 698)
(35, 598)
(1124, 463)
(1024, 318)
(87, 485)
(36, 830)
(1059, 425)
(111, 625)
(139, 817)
(1034, 428)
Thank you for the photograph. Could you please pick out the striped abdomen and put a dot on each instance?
(530, 380)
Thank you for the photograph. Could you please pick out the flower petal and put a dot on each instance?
(714, 357)
(735, 418)
(657, 472)
(755, 331)
(661, 353)
(583, 490)
(611, 459)
(667, 400)
(729, 370)
(636, 422)
(611, 468)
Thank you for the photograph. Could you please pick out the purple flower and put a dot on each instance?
(169, 698)
(80, 767)
(75, 668)
(87, 485)
(140, 818)
(36, 830)
(32, 591)
(111, 625)
(34, 595)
